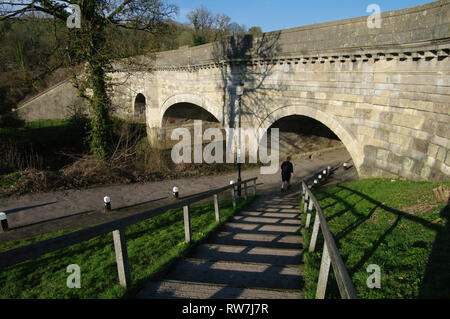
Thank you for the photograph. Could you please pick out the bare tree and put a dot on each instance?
(88, 44)
(202, 21)
(209, 28)
(222, 26)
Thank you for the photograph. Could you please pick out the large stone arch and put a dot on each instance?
(200, 101)
(329, 120)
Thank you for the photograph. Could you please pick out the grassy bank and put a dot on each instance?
(41, 145)
(151, 245)
(397, 225)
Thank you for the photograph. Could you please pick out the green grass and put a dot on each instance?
(35, 125)
(9, 180)
(151, 246)
(46, 145)
(399, 226)
(38, 132)
(41, 145)
(46, 123)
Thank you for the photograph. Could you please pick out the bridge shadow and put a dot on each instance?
(435, 282)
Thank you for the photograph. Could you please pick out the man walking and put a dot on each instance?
(287, 172)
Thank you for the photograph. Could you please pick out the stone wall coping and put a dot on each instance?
(428, 51)
(389, 14)
(291, 44)
(24, 103)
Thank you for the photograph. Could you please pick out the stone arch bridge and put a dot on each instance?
(384, 92)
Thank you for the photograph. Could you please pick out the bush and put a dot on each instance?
(10, 120)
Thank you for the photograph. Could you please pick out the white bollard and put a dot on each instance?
(107, 201)
(176, 192)
(4, 222)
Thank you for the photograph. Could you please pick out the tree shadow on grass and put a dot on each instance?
(349, 208)
(436, 281)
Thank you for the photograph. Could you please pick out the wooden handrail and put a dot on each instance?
(330, 251)
(117, 227)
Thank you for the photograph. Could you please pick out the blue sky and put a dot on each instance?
(273, 15)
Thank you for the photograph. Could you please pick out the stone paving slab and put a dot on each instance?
(262, 214)
(261, 240)
(274, 256)
(237, 274)
(258, 228)
(169, 289)
(266, 221)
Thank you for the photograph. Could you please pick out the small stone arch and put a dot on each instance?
(140, 105)
(332, 123)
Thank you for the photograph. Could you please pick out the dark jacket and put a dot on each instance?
(287, 168)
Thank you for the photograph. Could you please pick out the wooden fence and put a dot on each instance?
(330, 255)
(117, 228)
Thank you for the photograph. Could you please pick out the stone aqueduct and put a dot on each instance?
(384, 92)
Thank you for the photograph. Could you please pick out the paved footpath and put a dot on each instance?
(256, 255)
(35, 214)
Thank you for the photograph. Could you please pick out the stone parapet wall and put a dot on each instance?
(426, 24)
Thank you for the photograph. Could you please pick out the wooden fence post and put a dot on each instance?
(324, 272)
(303, 193)
(315, 233)
(187, 224)
(308, 217)
(306, 202)
(120, 247)
(233, 196)
(245, 191)
(216, 207)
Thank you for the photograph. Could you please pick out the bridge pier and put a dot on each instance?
(156, 137)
